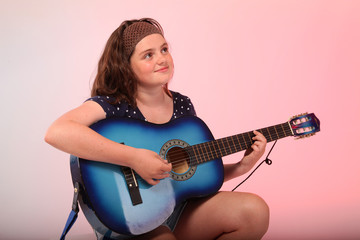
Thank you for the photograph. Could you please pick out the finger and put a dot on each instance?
(255, 147)
(259, 139)
(259, 136)
(152, 181)
(259, 143)
(161, 176)
(166, 167)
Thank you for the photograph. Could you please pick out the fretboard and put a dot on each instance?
(207, 151)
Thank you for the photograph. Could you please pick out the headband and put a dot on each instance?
(135, 32)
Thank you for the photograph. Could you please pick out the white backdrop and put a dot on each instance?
(245, 65)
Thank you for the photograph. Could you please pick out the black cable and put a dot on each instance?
(268, 162)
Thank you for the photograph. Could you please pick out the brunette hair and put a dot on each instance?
(115, 76)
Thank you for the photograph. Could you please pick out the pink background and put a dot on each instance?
(245, 64)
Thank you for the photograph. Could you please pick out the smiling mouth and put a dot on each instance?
(164, 69)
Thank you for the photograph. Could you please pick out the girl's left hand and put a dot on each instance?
(253, 154)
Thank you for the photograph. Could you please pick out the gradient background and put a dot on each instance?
(245, 65)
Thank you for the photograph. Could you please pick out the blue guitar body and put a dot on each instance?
(106, 200)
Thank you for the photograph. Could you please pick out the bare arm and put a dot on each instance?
(252, 155)
(71, 133)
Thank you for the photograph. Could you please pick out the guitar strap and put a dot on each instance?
(74, 212)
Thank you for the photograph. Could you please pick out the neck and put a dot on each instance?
(156, 106)
(151, 97)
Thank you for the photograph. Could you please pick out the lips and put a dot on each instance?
(163, 69)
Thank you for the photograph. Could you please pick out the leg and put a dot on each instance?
(225, 215)
(160, 233)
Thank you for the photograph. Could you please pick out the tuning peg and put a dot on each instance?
(305, 136)
(299, 115)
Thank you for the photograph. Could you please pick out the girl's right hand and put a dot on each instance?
(150, 166)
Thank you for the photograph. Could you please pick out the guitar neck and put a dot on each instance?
(207, 151)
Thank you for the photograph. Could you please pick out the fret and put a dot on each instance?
(198, 160)
(239, 142)
(229, 145)
(197, 153)
(290, 132)
(201, 154)
(208, 151)
(213, 149)
(226, 146)
(282, 127)
(233, 143)
(203, 157)
(218, 148)
(244, 141)
(281, 132)
(273, 133)
(190, 151)
(223, 146)
(276, 132)
(250, 138)
(269, 134)
(262, 132)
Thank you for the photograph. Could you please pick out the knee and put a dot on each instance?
(257, 212)
(249, 216)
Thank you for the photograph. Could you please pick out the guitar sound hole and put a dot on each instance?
(179, 159)
(174, 152)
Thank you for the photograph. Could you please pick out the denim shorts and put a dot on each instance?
(170, 223)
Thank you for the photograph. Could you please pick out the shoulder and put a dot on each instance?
(182, 105)
(113, 108)
(105, 102)
(180, 97)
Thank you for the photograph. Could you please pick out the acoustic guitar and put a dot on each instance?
(115, 198)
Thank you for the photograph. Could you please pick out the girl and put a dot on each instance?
(132, 81)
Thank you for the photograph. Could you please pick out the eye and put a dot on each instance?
(164, 50)
(148, 55)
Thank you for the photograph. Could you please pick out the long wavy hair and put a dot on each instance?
(115, 76)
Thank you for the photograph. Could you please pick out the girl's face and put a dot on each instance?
(151, 62)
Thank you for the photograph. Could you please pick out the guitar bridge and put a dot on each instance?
(132, 185)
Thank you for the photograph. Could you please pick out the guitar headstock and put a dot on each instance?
(304, 125)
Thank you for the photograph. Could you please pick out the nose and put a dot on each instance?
(161, 59)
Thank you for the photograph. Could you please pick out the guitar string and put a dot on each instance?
(273, 133)
(195, 159)
(178, 159)
(226, 149)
